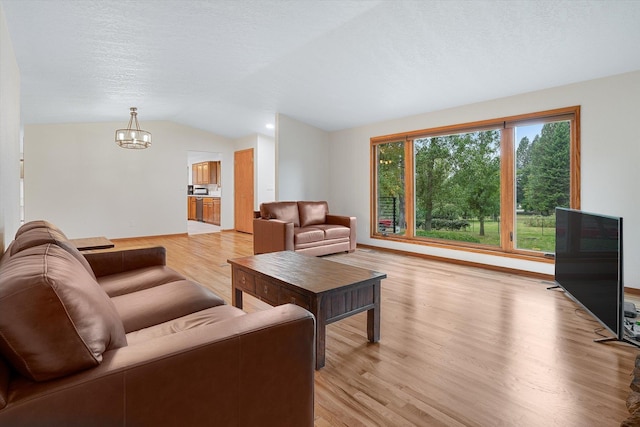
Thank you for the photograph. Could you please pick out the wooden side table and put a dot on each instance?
(91, 243)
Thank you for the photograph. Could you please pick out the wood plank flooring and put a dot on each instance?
(460, 346)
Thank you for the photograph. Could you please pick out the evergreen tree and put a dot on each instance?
(523, 160)
(548, 182)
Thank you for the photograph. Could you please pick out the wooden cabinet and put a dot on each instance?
(207, 210)
(205, 173)
(191, 208)
(216, 211)
(215, 172)
(194, 173)
(211, 210)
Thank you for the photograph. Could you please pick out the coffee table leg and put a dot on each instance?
(373, 316)
(236, 298)
(321, 329)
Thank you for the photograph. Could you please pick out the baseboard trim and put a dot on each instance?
(525, 273)
(155, 236)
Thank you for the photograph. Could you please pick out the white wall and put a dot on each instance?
(302, 161)
(610, 112)
(9, 137)
(266, 170)
(78, 178)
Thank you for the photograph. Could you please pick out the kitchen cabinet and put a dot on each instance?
(217, 173)
(216, 211)
(207, 210)
(205, 173)
(194, 173)
(211, 210)
(191, 208)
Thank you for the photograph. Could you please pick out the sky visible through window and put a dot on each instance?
(529, 131)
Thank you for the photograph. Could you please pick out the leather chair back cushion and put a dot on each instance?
(38, 224)
(312, 213)
(54, 317)
(42, 235)
(283, 211)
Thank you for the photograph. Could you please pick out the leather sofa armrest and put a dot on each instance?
(347, 221)
(256, 369)
(111, 262)
(272, 235)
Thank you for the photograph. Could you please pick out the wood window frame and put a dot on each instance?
(507, 179)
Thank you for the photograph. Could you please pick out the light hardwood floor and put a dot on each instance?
(460, 346)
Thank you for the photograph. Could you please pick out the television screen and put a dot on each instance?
(589, 264)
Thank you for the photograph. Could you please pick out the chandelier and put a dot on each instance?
(133, 137)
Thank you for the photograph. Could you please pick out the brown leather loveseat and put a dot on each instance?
(303, 226)
(117, 338)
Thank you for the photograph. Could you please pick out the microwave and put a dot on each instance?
(200, 191)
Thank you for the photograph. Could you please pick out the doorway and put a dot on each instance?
(197, 224)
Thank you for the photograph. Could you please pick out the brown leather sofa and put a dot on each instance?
(302, 226)
(117, 338)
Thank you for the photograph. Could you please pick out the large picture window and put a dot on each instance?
(492, 185)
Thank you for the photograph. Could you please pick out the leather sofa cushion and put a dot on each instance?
(307, 235)
(138, 279)
(332, 231)
(324, 247)
(141, 309)
(43, 235)
(312, 213)
(283, 211)
(54, 317)
(190, 321)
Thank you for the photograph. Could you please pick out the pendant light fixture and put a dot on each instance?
(130, 137)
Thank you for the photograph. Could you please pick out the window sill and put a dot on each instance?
(469, 247)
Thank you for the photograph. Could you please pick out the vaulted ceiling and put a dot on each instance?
(228, 66)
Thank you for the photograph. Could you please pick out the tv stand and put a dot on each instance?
(631, 332)
(625, 339)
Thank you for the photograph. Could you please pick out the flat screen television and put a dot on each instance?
(588, 265)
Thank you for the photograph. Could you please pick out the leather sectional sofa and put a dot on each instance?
(117, 338)
(302, 226)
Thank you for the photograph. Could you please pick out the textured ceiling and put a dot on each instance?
(229, 66)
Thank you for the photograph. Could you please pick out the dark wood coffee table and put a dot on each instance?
(328, 289)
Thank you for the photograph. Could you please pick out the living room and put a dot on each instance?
(77, 179)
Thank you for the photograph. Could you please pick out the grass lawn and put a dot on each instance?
(527, 237)
(535, 238)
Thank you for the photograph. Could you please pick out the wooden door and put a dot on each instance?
(243, 190)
